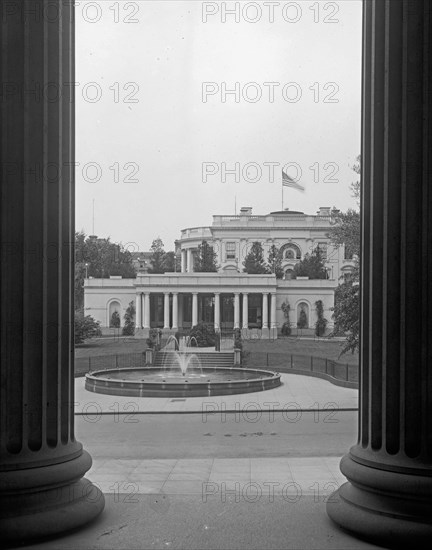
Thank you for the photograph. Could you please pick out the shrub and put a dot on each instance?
(204, 334)
(321, 324)
(115, 320)
(129, 326)
(85, 327)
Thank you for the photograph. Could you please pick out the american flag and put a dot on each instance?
(288, 181)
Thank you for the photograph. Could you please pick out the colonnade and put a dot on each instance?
(171, 310)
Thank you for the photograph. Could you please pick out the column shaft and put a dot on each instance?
(194, 309)
(166, 310)
(236, 310)
(175, 311)
(245, 311)
(217, 311)
(389, 494)
(189, 260)
(42, 489)
(147, 310)
(138, 310)
(265, 310)
(273, 321)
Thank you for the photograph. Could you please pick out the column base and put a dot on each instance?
(384, 507)
(48, 501)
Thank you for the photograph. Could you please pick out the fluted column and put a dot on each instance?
(147, 310)
(217, 311)
(245, 311)
(388, 497)
(166, 310)
(175, 311)
(194, 309)
(42, 489)
(236, 310)
(138, 309)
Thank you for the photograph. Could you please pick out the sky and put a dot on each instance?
(189, 109)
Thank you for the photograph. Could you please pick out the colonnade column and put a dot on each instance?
(194, 309)
(138, 310)
(166, 310)
(265, 311)
(273, 322)
(175, 311)
(183, 261)
(245, 311)
(236, 310)
(217, 311)
(42, 488)
(388, 497)
(189, 260)
(146, 310)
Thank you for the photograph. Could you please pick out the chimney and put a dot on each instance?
(246, 211)
(324, 211)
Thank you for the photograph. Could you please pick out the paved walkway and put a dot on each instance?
(296, 392)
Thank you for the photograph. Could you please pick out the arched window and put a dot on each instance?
(291, 251)
(289, 274)
(114, 311)
(303, 315)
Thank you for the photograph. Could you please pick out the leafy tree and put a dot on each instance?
(85, 327)
(321, 324)
(286, 327)
(205, 259)
(157, 258)
(346, 231)
(129, 322)
(275, 261)
(254, 262)
(115, 320)
(346, 312)
(103, 258)
(171, 263)
(311, 266)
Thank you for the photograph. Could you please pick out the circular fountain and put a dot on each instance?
(181, 375)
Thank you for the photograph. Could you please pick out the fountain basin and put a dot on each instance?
(198, 382)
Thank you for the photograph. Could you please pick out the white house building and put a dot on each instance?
(229, 298)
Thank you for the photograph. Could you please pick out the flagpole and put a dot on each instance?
(282, 195)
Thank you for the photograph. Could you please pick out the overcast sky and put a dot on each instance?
(151, 111)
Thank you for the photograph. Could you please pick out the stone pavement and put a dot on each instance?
(296, 392)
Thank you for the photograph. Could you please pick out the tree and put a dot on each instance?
(205, 259)
(254, 262)
(275, 261)
(346, 231)
(311, 266)
(129, 316)
(85, 327)
(321, 324)
(204, 334)
(115, 320)
(98, 258)
(346, 312)
(172, 263)
(157, 258)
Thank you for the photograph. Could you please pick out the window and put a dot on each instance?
(231, 251)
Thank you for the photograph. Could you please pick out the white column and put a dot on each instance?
(273, 311)
(189, 260)
(183, 261)
(265, 310)
(147, 310)
(217, 311)
(138, 308)
(166, 310)
(175, 311)
(236, 310)
(245, 311)
(194, 308)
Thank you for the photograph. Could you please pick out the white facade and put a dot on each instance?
(229, 298)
